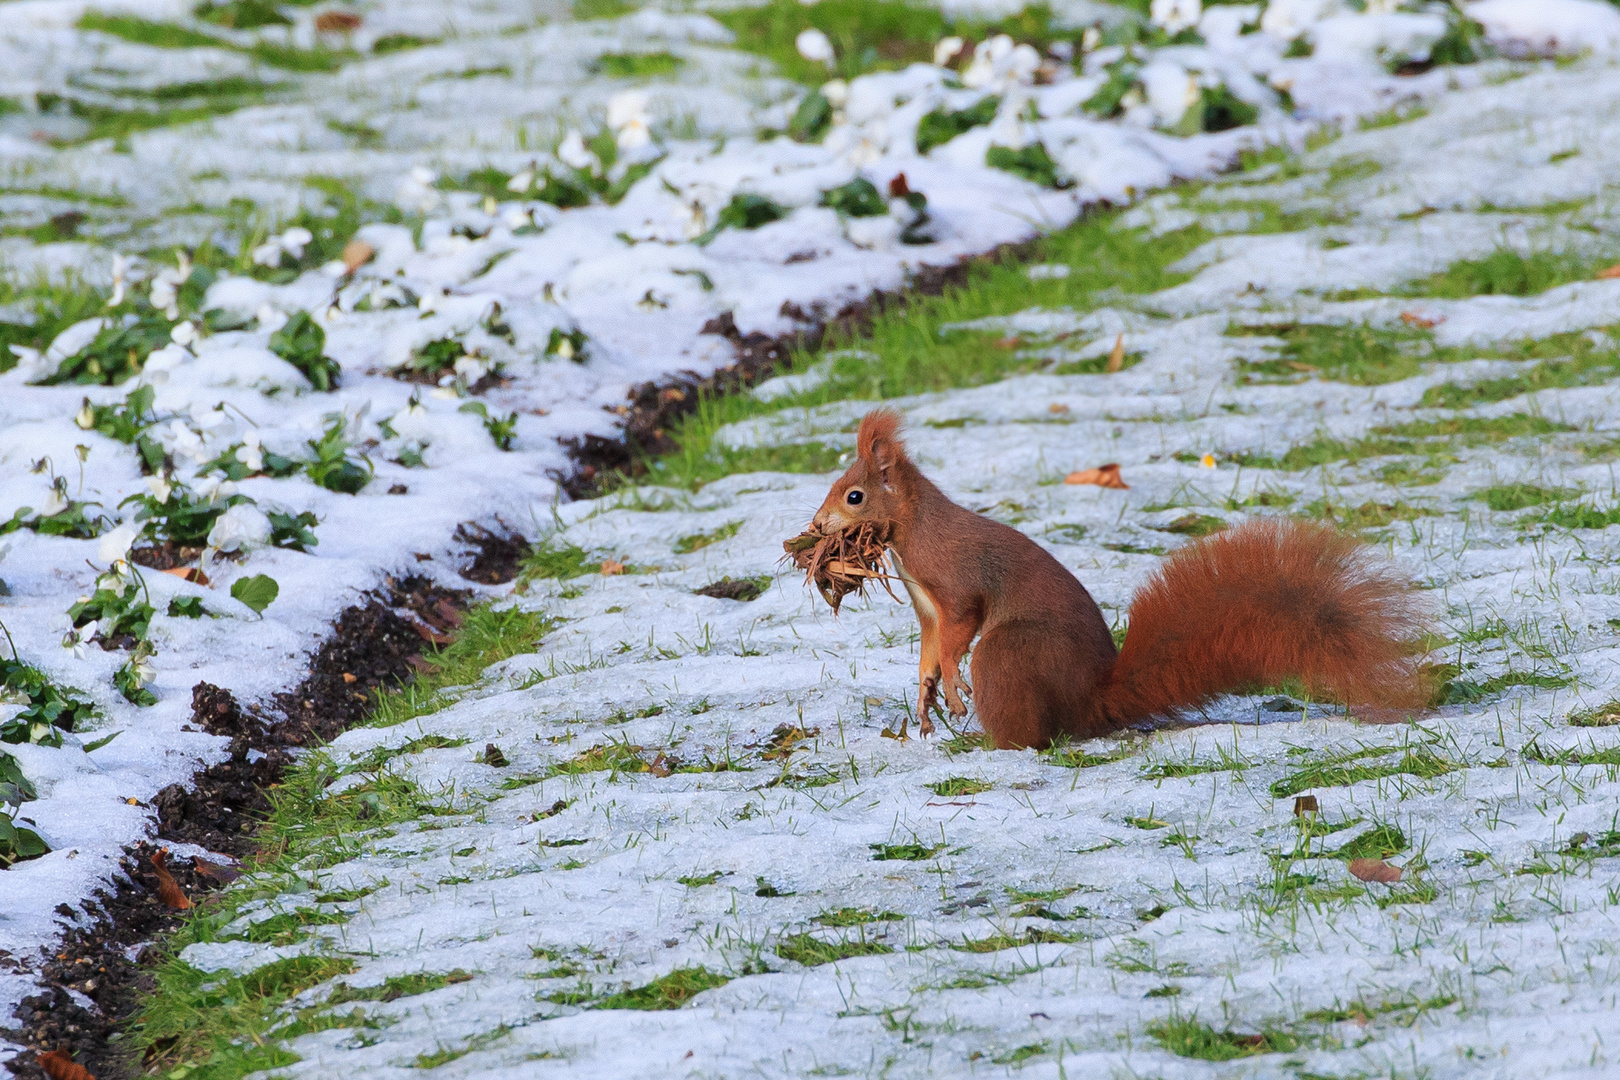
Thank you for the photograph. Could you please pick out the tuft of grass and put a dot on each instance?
(1189, 1037)
(667, 991)
(906, 852)
(1580, 516)
(637, 65)
(1605, 715)
(163, 35)
(487, 636)
(1520, 496)
(811, 951)
(554, 561)
(697, 881)
(1421, 763)
(1368, 515)
(1354, 353)
(397, 986)
(851, 916)
(698, 541)
(1032, 936)
(1379, 842)
(1505, 272)
(1193, 525)
(959, 785)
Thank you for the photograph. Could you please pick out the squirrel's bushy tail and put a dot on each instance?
(1257, 604)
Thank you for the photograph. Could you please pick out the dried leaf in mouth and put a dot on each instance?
(168, 889)
(839, 563)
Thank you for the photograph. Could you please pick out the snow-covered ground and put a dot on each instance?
(1157, 895)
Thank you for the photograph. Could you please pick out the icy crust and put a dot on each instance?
(1169, 868)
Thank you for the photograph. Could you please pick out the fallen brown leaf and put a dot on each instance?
(337, 22)
(1116, 358)
(192, 574)
(898, 189)
(1374, 870)
(168, 889)
(356, 253)
(1105, 476)
(1057, 408)
(1305, 804)
(59, 1066)
(1413, 319)
(222, 874)
(350, 677)
(611, 567)
(1009, 343)
(1609, 273)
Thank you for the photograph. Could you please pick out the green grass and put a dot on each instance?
(851, 916)
(698, 541)
(1509, 497)
(487, 636)
(1433, 438)
(1580, 516)
(959, 785)
(1189, 1037)
(1605, 715)
(1379, 842)
(812, 951)
(1368, 515)
(1506, 272)
(637, 65)
(1354, 352)
(913, 357)
(906, 852)
(1421, 763)
(666, 992)
(172, 36)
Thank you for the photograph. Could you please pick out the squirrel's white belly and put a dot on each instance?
(920, 600)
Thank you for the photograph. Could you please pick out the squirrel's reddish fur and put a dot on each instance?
(1251, 606)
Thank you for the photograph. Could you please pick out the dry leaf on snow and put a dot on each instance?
(1413, 319)
(1106, 476)
(1609, 273)
(58, 1065)
(1374, 870)
(1116, 359)
(336, 22)
(192, 574)
(168, 889)
(610, 567)
(356, 253)
(1305, 804)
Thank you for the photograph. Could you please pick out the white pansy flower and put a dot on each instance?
(948, 49)
(836, 91)
(184, 333)
(627, 117)
(159, 486)
(294, 239)
(114, 546)
(1176, 15)
(251, 452)
(142, 668)
(268, 253)
(470, 368)
(243, 525)
(214, 488)
(74, 640)
(55, 503)
(573, 152)
(120, 268)
(522, 182)
(815, 47)
(86, 417)
(270, 320)
(1171, 90)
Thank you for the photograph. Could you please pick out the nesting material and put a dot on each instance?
(842, 562)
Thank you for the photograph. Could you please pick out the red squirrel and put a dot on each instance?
(1247, 607)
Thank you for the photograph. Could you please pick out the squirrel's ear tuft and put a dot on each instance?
(878, 441)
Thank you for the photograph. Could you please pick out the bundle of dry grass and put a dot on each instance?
(842, 562)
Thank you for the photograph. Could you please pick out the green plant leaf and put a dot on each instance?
(257, 592)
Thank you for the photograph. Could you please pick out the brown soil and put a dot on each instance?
(499, 553)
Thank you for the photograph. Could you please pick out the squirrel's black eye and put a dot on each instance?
(855, 497)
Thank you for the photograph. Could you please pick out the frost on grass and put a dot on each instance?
(705, 837)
